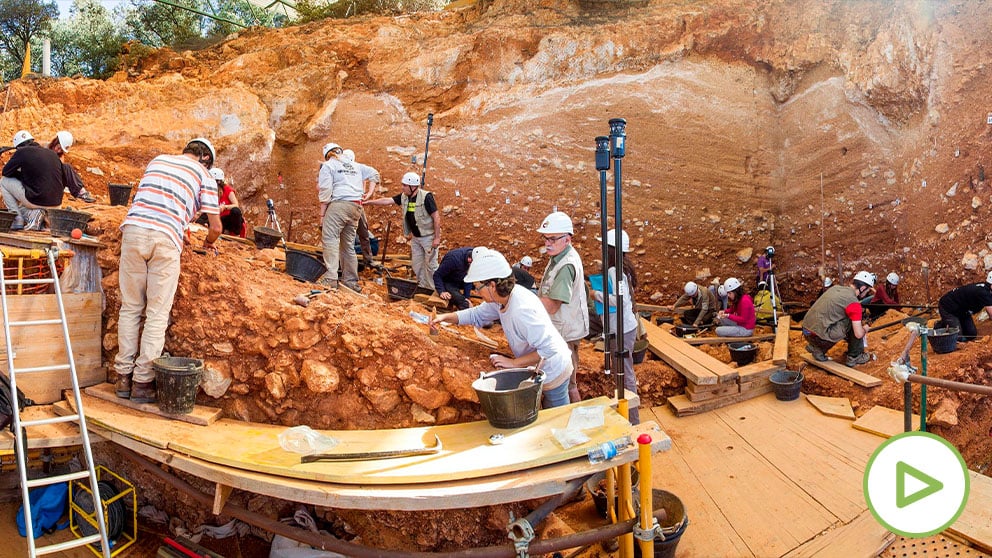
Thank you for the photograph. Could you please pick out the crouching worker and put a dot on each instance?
(526, 324)
(738, 319)
(704, 305)
(837, 315)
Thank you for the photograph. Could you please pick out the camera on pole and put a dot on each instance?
(618, 136)
(602, 153)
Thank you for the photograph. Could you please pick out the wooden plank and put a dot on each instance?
(710, 532)
(467, 452)
(44, 345)
(722, 390)
(45, 435)
(722, 370)
(845, 372)
(221, 493)
(884, 422)
(201, 415)
(499, 489)
(684, 407)
(697, 366)
(832, 406)
(718, 340)
(758, 384)
(975, 522)
(862, 537)
(743, 484)
(757, 371)
(780, 353)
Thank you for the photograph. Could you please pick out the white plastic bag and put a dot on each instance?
(567, 437)
(584, 418)
(288, 548)
(305, 440)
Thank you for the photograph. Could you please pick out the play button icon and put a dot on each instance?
(916, 484)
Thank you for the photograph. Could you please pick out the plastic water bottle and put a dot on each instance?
(608, 450)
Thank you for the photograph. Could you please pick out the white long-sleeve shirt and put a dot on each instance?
(528, 328)
(340, 180)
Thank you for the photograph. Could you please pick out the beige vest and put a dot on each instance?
(424, 220)
(572, 319)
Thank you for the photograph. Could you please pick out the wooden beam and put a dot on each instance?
(757, 371)
(684, 407)
(884, 422)
(718, 340)
(221, 493)
(845, 372)
(696, 365)
(832, 406)
(780, 353)
(201, 414)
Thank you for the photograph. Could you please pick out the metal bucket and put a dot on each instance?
(176, 382)
(510, 398)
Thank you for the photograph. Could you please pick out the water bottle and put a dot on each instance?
(608, 450)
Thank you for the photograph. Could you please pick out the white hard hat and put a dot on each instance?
(731, 284)
(988, 278)
(722, 291)
(526, 261)
(892, 278)
(865, 277)
(487, 265)
(611, 240)
(691, 288)
(21, 137)
(827, 282)
(217, 173)
(210, 147)
(327, 148)
(65, 139)
(557, 222)
(411, 179)
(347, 155)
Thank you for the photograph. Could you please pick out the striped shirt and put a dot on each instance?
(173, 189)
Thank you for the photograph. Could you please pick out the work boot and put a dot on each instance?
(143, 392)
(856, 360)
(328, 282)
(354, 286)
(817, 353)
(123, 386)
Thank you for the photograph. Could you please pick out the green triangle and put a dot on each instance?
(932, 485)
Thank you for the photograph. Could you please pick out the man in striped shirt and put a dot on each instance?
(172, 191)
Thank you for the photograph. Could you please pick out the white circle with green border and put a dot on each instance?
(916, 484)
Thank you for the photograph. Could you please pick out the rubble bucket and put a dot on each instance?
(7, 219)
(120, 194)
(672, 528)
(743, 353)
(510, 398)
(787, 384)
(63, 221)
(944, 340)
(304, 266)
(400, 289)
(266, 237)
(176, 382)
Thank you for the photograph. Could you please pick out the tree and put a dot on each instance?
(87, 42)
(156, 24)
(22, 19)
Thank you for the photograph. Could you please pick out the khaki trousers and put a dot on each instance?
(423, 257)
(338, 237)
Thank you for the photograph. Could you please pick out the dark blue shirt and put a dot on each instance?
(451, 271)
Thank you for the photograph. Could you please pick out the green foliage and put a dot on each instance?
(86, 43)
(19, 21)
(158, 25)
(313, 10)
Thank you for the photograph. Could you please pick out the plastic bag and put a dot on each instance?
(584, 418)
(567, 437)
(305, 440)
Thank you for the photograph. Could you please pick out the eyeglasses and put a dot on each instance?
(479, 286)
(553, 239)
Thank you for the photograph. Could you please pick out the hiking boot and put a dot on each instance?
(123, 386)
(327, 282)
(355, 287)
(817, 353)
(143, 392)
(860, 359)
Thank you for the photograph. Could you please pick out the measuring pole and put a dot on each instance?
(603, 165)
(618, 136)
(427, 147)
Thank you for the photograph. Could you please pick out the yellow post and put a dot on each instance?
(647, 500)
(26, 69)
(625, 511)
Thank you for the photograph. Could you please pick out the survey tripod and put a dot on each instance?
(773, 289)
(271, 218)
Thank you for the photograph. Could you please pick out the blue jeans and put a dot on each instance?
(555, 397)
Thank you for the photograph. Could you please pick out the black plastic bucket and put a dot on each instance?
(743, 353)
(266, 237)
(400, 289)
(507, 404)
(787, 384)
(944, 340)
(63, 221)
(120, 194)
(176, 382)
(7, 219)
(672, 528)
(304, 266)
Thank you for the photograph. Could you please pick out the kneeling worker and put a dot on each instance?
(957, 306)
(837, 315)
(704, 305)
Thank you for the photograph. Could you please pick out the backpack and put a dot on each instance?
(48, 505)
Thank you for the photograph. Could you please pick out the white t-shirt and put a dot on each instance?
(629, 319)
(340, 180)
(528, 328)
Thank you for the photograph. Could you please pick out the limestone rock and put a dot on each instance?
(320, 377)
(970, 261)
(429, 398)
(946, 413)
(942, 228)
(744, 254)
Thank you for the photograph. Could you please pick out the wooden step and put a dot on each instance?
(845, 372)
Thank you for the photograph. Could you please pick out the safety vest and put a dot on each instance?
(572, 318)
(424, 220)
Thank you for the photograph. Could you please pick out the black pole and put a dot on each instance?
(618, 138)
(603, 165)
(427, 148)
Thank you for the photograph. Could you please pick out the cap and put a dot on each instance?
(556, 222)
(21, 137)
(691, 288)
(487, 265)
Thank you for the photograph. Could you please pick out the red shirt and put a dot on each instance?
(225, 199)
